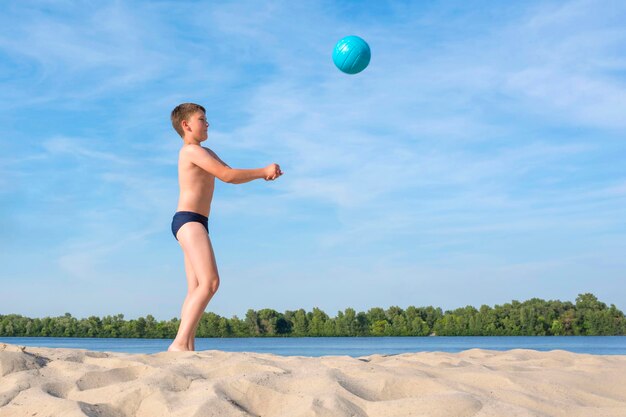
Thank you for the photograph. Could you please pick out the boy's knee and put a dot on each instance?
(210, 288)
(214, 285)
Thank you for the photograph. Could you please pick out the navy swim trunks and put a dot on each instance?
(182, 217)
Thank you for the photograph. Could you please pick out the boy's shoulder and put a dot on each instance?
(196, 152)
(187, 153)
(190, 149)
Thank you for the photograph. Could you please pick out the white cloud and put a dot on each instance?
(82, 148)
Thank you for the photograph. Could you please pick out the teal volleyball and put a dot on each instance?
(351, 54)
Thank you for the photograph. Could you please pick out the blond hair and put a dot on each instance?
(184, 112)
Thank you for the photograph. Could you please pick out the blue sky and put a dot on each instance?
(477, 160)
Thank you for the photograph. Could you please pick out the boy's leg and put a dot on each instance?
(197, 247)
(191, 342)
(192, 284)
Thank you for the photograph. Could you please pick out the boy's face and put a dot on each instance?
(198, 126)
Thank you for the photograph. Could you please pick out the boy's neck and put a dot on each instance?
(190, 141)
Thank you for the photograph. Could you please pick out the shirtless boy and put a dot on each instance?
(197, 169)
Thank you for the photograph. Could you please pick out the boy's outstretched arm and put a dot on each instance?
(214, 155)
(215, 166)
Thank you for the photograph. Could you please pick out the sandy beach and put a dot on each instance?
(76, 382)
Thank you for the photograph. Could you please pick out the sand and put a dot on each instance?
(76, 382)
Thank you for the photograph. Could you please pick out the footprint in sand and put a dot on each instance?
(20, 361)
(99, 379)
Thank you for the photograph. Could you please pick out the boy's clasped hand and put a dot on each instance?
(272, 172)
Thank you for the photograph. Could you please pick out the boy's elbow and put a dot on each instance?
(228, 176)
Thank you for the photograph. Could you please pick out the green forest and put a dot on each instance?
(535, 317)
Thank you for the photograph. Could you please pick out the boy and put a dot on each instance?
(197, 169)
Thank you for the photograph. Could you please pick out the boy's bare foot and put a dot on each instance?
(177, 348)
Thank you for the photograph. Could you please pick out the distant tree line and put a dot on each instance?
(534, 317)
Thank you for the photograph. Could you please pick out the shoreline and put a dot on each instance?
(351, 346)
